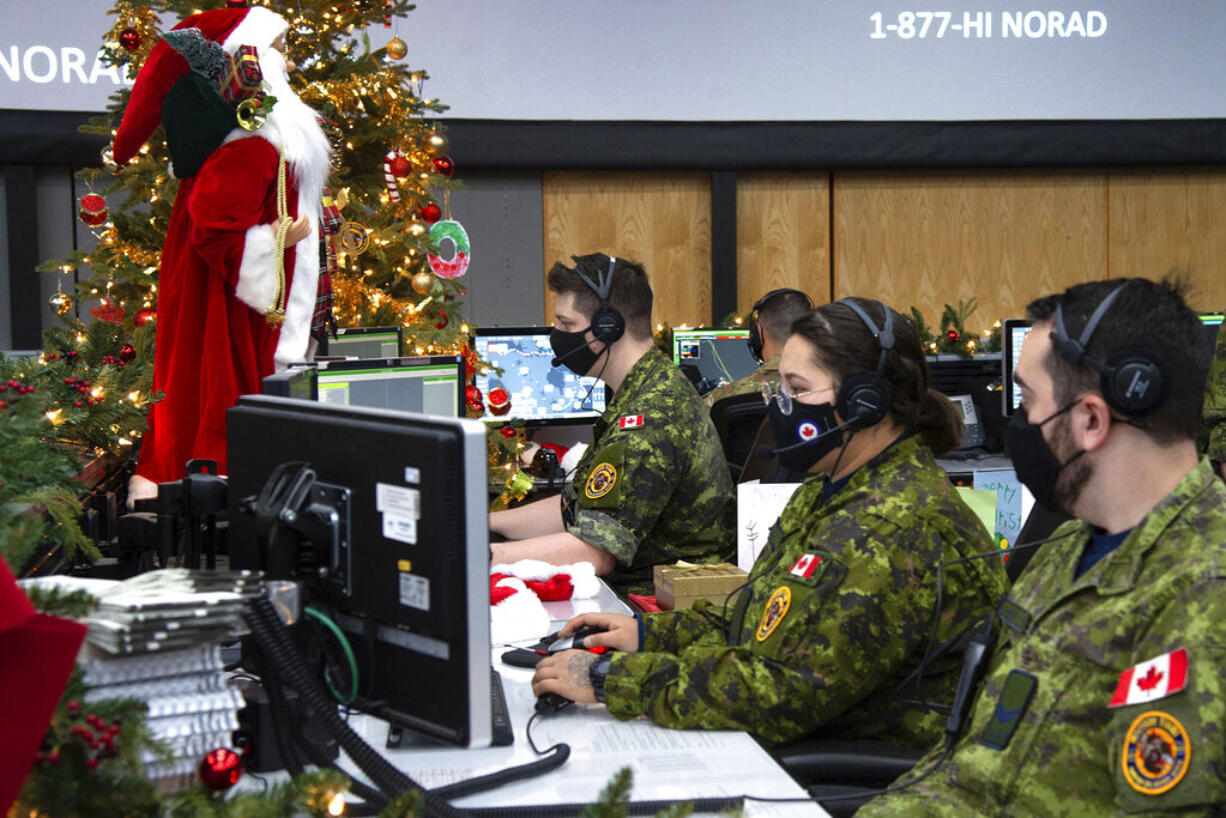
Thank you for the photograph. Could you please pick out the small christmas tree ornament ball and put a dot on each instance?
(220, 769)
(396, 48)
(400, 167)
(435, 144)
(130, 39)
(61, 303)
(444, 165)
(417, 228)
(422, 282)
(431, 213)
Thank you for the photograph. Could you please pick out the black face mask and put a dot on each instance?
(805, 436)
(1033, 460)
(571, 350)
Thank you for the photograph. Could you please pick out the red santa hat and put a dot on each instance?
(256, 26)
(517, 590)
(37, 653)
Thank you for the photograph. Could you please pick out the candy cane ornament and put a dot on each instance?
(393, 188)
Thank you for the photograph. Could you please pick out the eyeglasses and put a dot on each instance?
(775, 391)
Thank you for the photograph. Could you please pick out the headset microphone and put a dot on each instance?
(812, 440)
(558, 360)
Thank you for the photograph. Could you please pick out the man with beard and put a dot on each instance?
(240, 264)
(1112, 633)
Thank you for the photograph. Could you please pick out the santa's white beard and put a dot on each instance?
(294, 126)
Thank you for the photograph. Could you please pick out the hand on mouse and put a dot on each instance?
(617, 631)
(566, 674)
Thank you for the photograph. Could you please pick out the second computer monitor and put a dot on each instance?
(366, 342)
(540, 392)
(714, 356)
(432, 385)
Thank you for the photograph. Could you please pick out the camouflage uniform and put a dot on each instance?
(1163, 589)
(839, 611)
(768, 372)
(653, 487)
(1215, 402)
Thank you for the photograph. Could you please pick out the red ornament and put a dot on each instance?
(444, 165)
(507, 431)
(221, 769)
(431, 213)
(145, 316)
(473, 395)
(442, 321)
(126, 353)
(952, 335)
(400, 167)
(93, 210)
(499, 401)
(129, 38)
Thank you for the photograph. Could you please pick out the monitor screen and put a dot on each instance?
(389, 540)
(540, 392)
(296, 382)
(432, 385)
(714, 356)
(366, 342)
(1013, 332)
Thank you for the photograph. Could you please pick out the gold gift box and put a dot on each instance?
(679, 586)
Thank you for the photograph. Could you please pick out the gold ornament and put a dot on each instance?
(60, 302)
(250, 115)
(417, 228)
(435, 144)
(396, 48)
(422, 282)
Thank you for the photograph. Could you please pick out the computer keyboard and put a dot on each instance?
(502, 732)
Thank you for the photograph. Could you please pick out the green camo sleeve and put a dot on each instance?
(673, 631)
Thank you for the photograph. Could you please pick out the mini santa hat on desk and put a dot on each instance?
(37, 653)
(165, 66)
(517, 590)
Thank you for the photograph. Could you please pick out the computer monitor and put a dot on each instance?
(365, 342)
(1212, 321)
(298, 381)
(714, 356)
(433, 385)
(390, 543)
(541, 393)
(1013, 332)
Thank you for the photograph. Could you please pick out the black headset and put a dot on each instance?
(608, 324)
(864, 397)
(1132, 380)
(756, 337)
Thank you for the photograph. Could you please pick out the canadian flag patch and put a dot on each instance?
(1149, 681)
(630, 422)
(806, 565)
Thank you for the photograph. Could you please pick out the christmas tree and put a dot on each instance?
(390, 179)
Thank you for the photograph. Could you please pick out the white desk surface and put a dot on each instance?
(667, 764)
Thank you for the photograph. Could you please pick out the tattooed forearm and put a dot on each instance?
(577, 666)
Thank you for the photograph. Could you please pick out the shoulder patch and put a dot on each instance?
(809, 568)
(600, 481)
(630, 422)
(1155, 679)
(776, 607)
(1156, 753)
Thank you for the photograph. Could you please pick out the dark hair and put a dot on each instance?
(630, 293)
(1149, 315)
(844, 345)
(780, 312)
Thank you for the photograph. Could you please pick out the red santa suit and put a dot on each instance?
(217, 278)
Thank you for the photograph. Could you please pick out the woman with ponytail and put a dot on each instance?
(849, 614)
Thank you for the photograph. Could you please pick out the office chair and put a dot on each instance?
(737, 420)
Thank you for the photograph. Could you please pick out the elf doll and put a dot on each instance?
(240, 266)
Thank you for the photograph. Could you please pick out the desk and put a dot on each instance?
(667, 763)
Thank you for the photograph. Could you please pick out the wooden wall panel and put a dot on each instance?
(662, 220)
(782, 234)
(926, 238)
(1171, 218)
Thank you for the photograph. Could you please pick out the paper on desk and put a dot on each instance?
(758, 505)
(983, 503)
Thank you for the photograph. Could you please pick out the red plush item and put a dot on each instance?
(647, 604)
(499, 593)
(554, 589)
(560, 451)
(37, 653)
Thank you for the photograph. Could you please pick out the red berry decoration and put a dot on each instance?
(129, 38)
(145, 316)
(444, 165)
(126, 353)
(499, 401)
(221, 769)
(400, 167)
(431, 213)
(952, 335)
(507, 431)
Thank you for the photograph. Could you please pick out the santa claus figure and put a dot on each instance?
(240, 265)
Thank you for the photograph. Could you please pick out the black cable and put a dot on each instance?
(718, 804)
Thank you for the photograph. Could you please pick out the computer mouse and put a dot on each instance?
(552, 703)
(575, 640)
